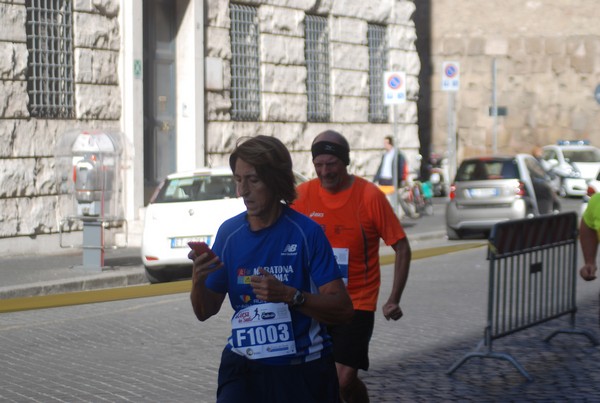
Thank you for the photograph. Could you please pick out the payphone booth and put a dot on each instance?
(88, 169)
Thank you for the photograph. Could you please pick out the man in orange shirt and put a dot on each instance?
(355, 215)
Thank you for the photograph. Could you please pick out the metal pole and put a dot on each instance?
(395, 163)
(494, 109)
(452, 163)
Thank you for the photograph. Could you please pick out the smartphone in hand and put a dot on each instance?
(200, 248)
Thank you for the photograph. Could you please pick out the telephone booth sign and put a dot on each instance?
(88, 166)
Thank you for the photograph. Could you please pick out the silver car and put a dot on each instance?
(488, 190)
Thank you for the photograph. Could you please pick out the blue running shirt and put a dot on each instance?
(295, 250)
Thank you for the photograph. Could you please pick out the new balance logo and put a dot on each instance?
(290, 248)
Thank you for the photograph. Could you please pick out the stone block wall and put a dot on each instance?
(29, 200)
(283, 77)
(547, 68)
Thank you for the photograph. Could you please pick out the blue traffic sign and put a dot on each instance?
(394, 87)
(450, 76)
(395, 81)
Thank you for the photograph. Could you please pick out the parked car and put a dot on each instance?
(488, 190)
(573, 162)
(593, 186)
(186, 206)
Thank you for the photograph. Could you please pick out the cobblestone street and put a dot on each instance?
(154, 350)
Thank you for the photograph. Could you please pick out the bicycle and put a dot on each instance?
(411, 198)
(415, 199)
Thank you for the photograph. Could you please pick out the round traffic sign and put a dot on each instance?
(451, 70)
(395, 81)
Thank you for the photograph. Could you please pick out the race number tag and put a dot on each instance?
(342, 258)
(262, 331)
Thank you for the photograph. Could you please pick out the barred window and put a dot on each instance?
(245, 63)
(377, 64)
(50, 62)
(317, 65)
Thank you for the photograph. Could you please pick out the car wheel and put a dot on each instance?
(155, 276)
(452, 233)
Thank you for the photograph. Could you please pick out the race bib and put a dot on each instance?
(342, 256)
(262, 331)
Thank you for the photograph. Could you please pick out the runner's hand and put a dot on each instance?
(392, 311)
(268, 288)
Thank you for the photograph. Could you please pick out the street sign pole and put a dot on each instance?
(395, 164)
(452, 140)
(394, 93)
(451, 84)
(494, 109)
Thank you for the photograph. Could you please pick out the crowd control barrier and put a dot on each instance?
(532, 280)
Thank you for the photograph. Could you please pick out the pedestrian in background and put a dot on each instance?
(283, 283)
(355, 215)
(384, 174)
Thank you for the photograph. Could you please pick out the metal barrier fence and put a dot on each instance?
(532, 279)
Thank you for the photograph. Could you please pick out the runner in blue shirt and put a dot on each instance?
(280, 274)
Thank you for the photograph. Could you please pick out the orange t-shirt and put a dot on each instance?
(354, 221)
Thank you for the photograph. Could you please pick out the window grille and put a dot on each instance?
(50, 62)
(317, 64)
(377, 63)
(245, 63)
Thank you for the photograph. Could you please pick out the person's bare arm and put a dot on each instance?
(589, 246)
(391, 309)
(205, 302)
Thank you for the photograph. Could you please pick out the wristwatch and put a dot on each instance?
(298, 299)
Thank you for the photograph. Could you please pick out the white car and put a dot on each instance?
(592, 188)
(187, 206)
(573, 163)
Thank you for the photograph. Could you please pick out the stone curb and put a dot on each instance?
(115, 278)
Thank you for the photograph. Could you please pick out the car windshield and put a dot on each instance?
(197, 188)
(582, 155)
(480, 169)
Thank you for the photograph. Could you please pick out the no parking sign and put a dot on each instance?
(450, 76)
(394, 87)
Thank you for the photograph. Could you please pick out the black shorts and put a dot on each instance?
(351, 340)
(244, 380)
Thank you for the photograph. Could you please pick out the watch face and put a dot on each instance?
(298, 298)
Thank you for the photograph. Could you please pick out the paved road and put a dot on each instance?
(153, 349)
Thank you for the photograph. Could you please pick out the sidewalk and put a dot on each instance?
(24, 276)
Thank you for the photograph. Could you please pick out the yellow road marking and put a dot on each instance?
(431, 252)
(93, 296)
(176, 287)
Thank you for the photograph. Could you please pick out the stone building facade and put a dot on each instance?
(284, 112)
(113, 87)
(29, 201)
(547, 56)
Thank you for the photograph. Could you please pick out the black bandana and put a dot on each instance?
(326, 147)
